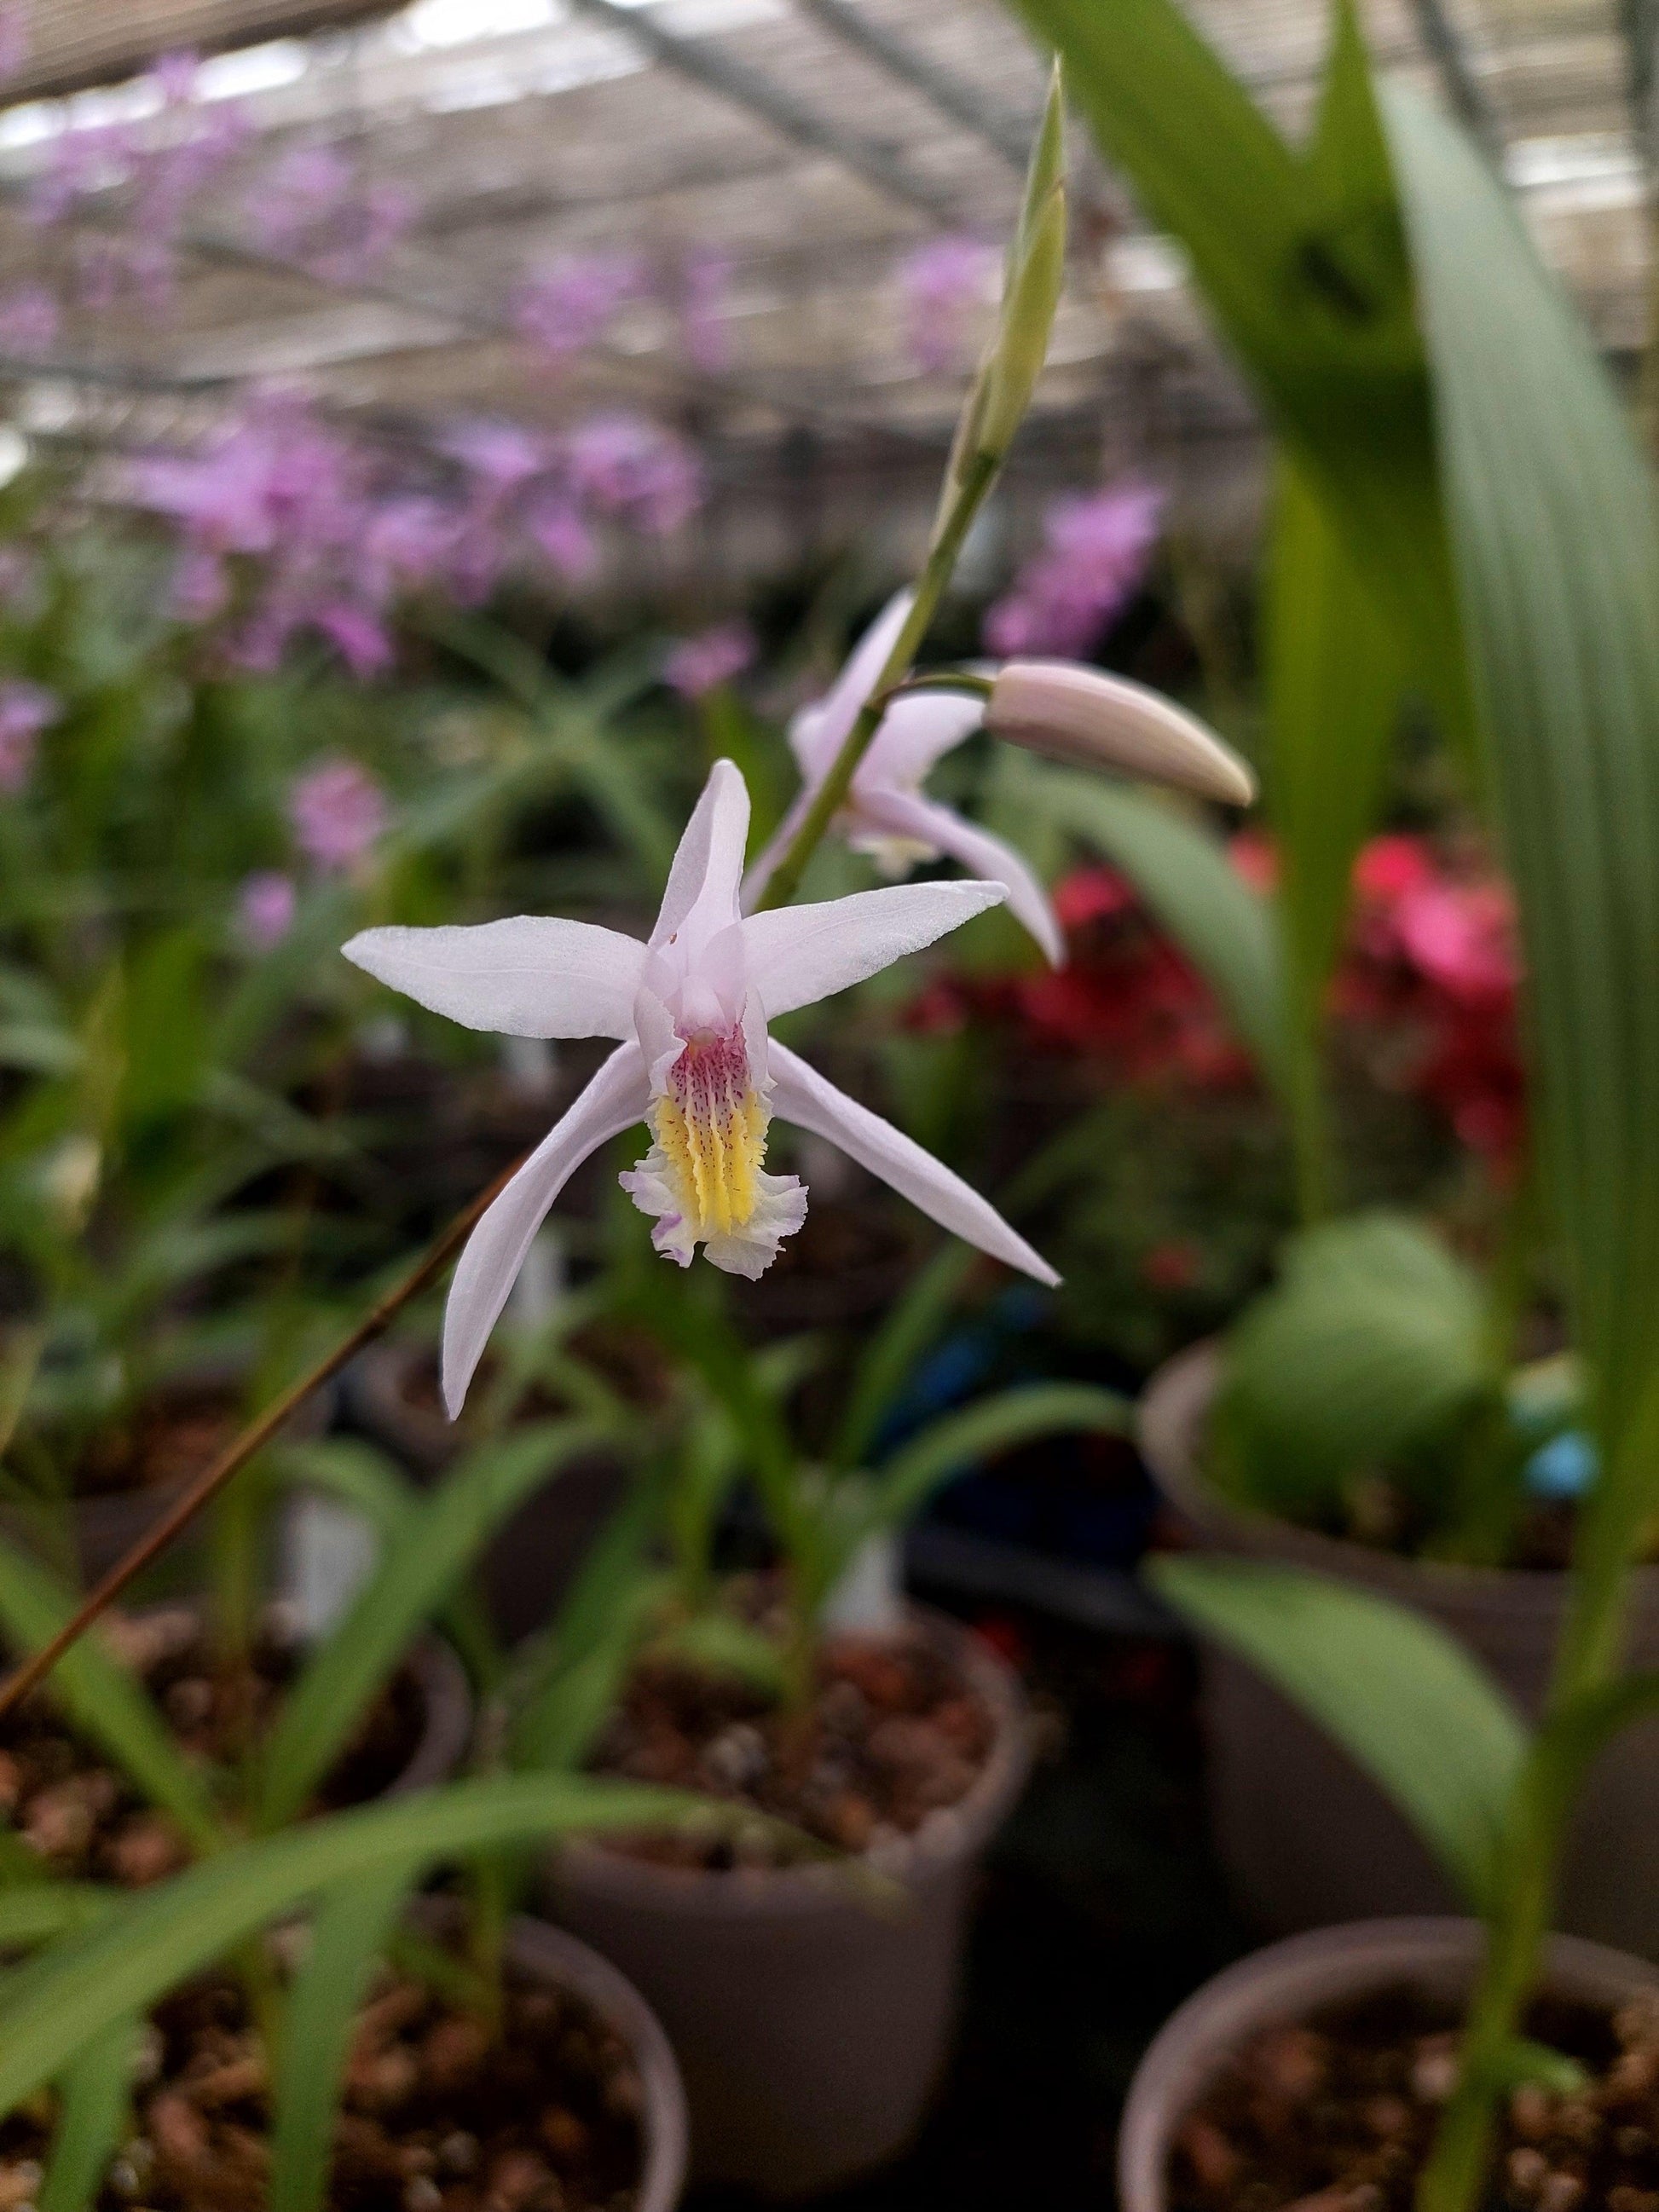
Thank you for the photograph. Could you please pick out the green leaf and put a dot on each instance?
(1300, 259)
(1333, 685)
(41, 1910)
(1398, 1693)
(364, 1478)
(155, 1940)
(888, 1361)
(721, 1644)
(96, 2085)
(421, 1567)
(346, 1937)
(571, 1683)
(1525, 2062)
(103, 1699)
(1370, 1343)
(955, 1441)
(1183, 873)
(1550, 506)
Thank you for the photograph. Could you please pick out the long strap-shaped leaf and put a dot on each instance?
(1552, 515)
(890, 1358)
(1181, 869)
(362, 1478)
(38, 1911)
(1333, 682)
(346, 1937)
(96, 2086)
(1396, 1691)
(423, 1564)
(954, 1441)
(158, 1938)
(103, 1699)
(1300, 257)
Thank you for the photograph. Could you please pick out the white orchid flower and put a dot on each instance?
(887, 814)
(1071, 713)
(689, 1010)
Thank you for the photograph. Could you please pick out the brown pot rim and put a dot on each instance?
(1169, 1426)
(945, 1839)
(373, 1390)
(538, 1948)
(447, 1696)
(1286, 1981)
(98, 1511)
(447, 1727)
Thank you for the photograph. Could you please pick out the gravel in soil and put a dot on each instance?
(437, 2116)
(1337, 2114)
(895, 1734)
(80, 1815)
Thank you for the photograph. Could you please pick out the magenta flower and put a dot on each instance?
(704, 307)
(29, 320)
(174, 76)
(1094, 555)
(566, 307)
(201, 588)
(14, 40)
(265, 907)
(296, 194)
(337, 811)
(701, 664)
(1462, 937)
(942, 285)
(635, 471)
(25, 709)
(312, 207)
(556, 526)
(500, 456)
(358, 636)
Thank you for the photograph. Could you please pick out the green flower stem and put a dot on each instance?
(1587, 1659)
(978, 475)
(945, 679)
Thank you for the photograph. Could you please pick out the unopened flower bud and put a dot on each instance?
(1089, 719)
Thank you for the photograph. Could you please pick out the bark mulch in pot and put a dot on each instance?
(78, 1812)
(438, 2116)
(170, 1437)
(1336, 2115)
(894, 1734)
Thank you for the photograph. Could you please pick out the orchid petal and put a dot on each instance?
(802, 1096)
(907, 814)
(701, 897)
(916, 733)
(761, 868)
(818, 732)
(800, 954)
(613, 1100)
(530, 975)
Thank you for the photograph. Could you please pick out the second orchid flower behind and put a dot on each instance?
(690, 1010)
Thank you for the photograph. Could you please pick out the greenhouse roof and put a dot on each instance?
(808, 145)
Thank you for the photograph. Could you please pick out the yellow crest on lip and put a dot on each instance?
(711, 1128)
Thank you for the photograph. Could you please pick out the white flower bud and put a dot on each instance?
(1089, 719)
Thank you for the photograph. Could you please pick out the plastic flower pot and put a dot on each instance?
(1284, 1985)
(106, 1524)
(1305, 1837)
(551, 1954)
(811, 2024)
